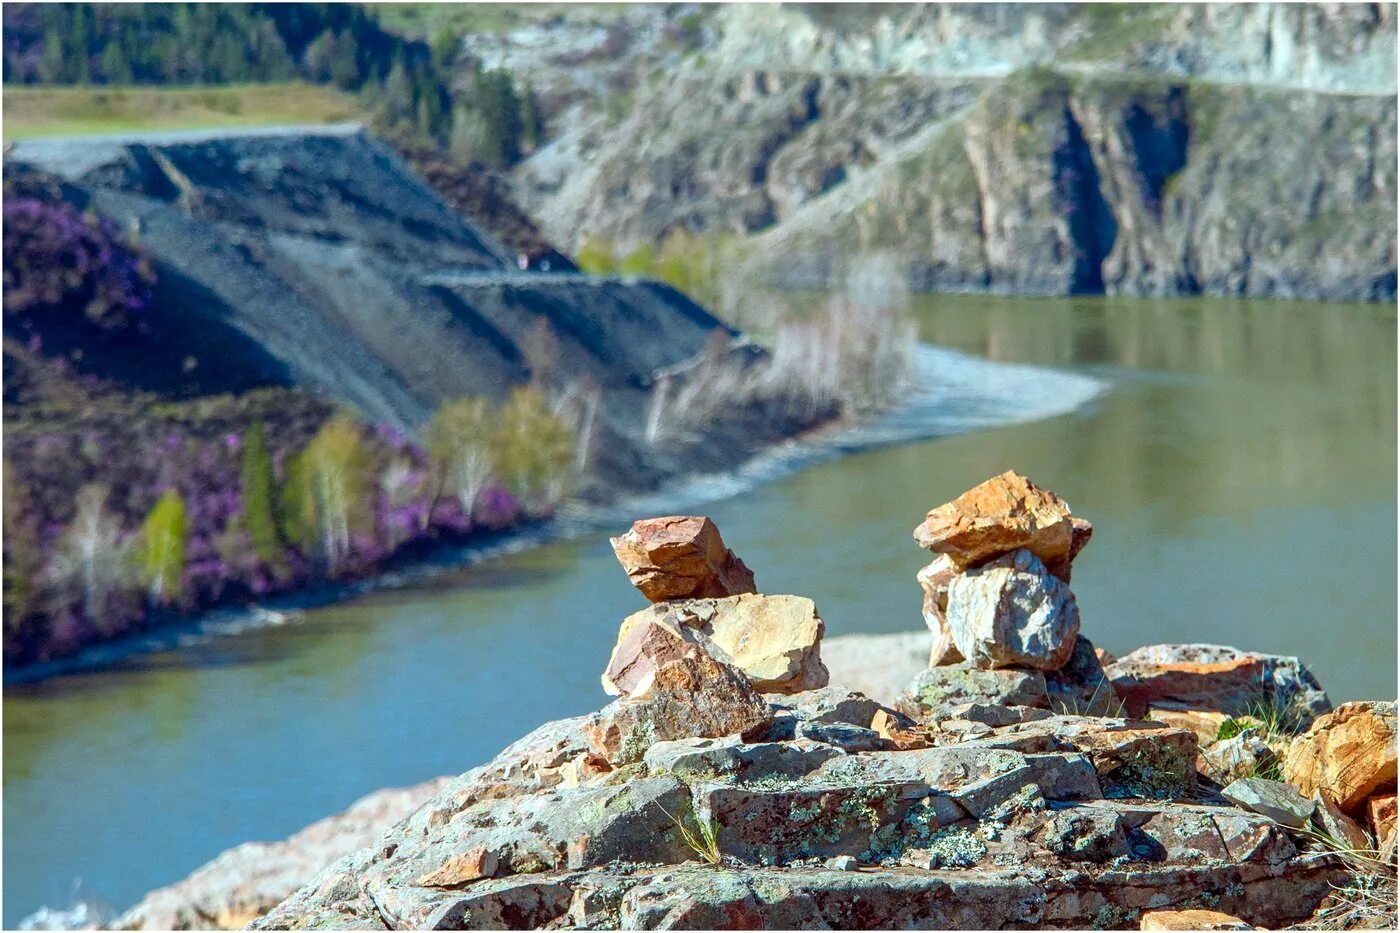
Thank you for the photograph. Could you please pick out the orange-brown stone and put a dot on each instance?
(1003, 514)
(1191, 920)
(1380, 810)
(1348, 755)
(681, 557)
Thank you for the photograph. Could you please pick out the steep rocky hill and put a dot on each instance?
(317, 258)
(1224, 149)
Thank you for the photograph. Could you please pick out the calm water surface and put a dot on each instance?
(1240, 475)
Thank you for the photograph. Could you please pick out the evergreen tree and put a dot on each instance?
(495, 99)
(53, 67)
(115, 68)
(316, 60)
(531, 121)
(465, 141)
(397, 105)
(345, 61)
(164, 538)
(256, 486)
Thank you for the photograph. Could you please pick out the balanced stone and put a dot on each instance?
(1004, 514)
(680, 557)
(1012, 612)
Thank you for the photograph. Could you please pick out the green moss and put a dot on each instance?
(1157, 771)
(639, 738)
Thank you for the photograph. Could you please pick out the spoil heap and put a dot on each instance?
(729, 787)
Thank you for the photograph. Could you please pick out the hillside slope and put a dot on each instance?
(315, 257)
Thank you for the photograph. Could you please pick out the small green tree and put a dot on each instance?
(465, 140)
(164, 538)
(326, 497)
(345, 61)
(531, 121)
(595, 257)
(640, 262)
(459, 441)
(534, 450)
(256, 488)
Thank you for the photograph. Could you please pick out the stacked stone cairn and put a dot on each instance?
(997, 599)
(1014, 783)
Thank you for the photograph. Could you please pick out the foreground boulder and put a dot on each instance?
(1004, 514)
(681, 557)
(1012, 613)
(692, 696)
(775, 640)
(1347, 756)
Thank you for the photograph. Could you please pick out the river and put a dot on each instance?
(1239, 470)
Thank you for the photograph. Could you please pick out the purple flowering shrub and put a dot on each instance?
(197, 448)
(59, 261)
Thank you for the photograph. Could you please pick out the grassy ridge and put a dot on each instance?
(77, 111)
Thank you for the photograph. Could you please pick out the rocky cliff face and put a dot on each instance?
(1038, 149)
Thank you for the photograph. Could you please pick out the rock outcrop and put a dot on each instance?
(1217, 679)
(694, 802)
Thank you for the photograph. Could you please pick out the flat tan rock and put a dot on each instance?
(1003, 514)
(680, 557)
(1191, 920)
(775, 640)
(1347, 755)
(1205, 723)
